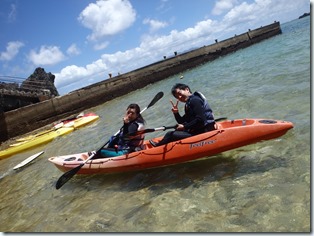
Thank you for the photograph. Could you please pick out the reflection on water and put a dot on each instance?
(263, 187)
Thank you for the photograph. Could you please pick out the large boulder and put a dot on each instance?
(40, 81)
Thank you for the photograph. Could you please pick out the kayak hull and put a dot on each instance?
(229, 135)
(45, 138)
(48, 136)
(84, 120)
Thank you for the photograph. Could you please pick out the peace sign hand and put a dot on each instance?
(174, 106)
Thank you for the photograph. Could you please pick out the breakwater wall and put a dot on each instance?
(29, 118)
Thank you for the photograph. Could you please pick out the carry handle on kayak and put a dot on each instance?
(68, 175)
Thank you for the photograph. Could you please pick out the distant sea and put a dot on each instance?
(263, 187)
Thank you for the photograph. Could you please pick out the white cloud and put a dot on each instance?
(73, 50)
(152, 48)
(180, 40)
(242, 13)
(107, 17)
(100, 46)
(260, 12)
(47, 55)
(163, 7)
(154, 24)
(223, 5)
(12, 50)
(78, 74)
(12, 13)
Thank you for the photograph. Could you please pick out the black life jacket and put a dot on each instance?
(208, 111)
(134, 142)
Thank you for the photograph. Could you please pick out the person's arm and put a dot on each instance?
(180, 119)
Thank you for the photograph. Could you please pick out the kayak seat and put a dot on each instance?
(70, 159)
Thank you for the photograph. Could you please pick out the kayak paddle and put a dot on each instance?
(68, 175)
(162, 128)
(28, 160)
(140, 132)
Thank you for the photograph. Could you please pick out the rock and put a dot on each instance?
(304, 15)
(38, 87)
(40, 80)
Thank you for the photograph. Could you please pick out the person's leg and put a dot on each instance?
(171, 137)
(178, 135)
(112, 152)
(113, 141)
(210, 127)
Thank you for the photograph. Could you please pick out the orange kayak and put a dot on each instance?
(230, 134)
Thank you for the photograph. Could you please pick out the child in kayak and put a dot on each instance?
(198, 117)
(119, 144)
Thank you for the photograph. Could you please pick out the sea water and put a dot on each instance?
(263, 187)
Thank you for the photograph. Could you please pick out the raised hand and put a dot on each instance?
(180, 127)
(174, 106)
(126, 119)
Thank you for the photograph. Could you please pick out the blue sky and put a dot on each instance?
(82, 41)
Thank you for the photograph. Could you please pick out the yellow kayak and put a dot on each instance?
(60, 129)
(75, 122)
(45, 138)
(84, 120)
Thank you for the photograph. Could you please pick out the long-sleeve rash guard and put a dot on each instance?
(197, 114)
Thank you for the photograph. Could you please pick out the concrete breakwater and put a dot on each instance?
(29, 118)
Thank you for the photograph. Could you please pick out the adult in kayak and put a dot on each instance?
(119, 144)
(198, 117)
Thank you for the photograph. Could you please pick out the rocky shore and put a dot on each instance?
(38, 87)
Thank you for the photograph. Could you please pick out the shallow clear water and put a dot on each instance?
(263, 187)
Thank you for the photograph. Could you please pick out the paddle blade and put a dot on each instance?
(156, 99)
(67, 176)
